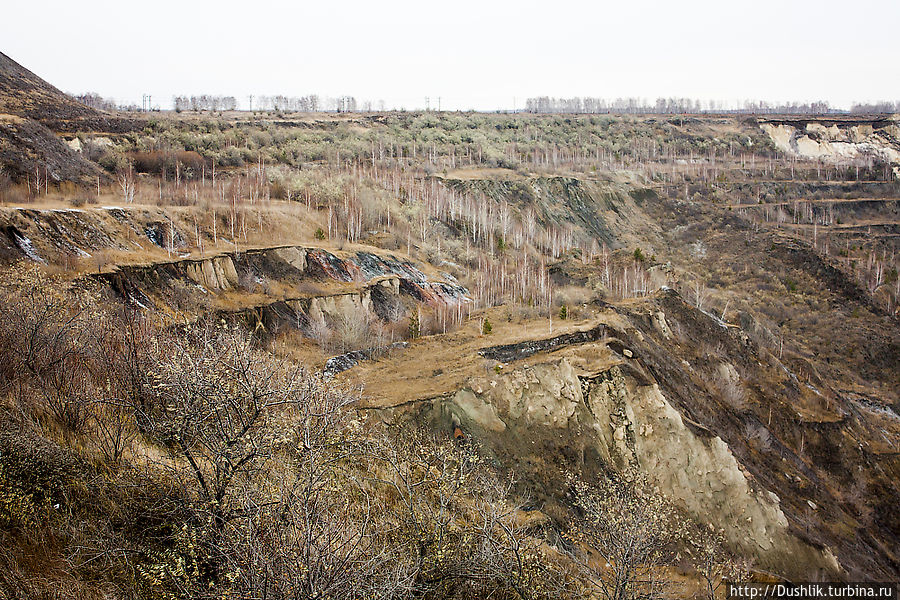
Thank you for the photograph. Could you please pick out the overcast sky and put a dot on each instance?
(478, 54)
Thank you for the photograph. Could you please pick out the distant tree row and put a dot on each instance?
(540, 104)
(546, 104)
(96, 101)
(204, 102)
(311, 103)
(876, 107)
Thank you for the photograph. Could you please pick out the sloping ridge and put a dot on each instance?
(27, 148)
(778, 483)
(24, 94)
(31, 110)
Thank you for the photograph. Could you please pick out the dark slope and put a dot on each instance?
(24, 94)
(27, 147)
(31, 110)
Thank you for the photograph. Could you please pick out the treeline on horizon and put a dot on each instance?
(536, 105)
(587, 105)
(214, 103)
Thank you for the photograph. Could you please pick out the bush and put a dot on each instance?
(415, 329)
(320, 234)
(486, 327)
(189, 164)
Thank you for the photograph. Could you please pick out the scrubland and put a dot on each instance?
(179, 445)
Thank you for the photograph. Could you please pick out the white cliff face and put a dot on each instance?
(543, 395)
(632, 425)
(217, 274)
(350, 305)
(477, 410)
(292, 255)
(701, 473)
(835, 143)
(342, 306)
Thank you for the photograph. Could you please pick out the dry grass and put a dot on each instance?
(453, 361)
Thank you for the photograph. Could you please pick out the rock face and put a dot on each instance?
(695, 468)
(217, 274)
(838, 141)
(619, 419)
(315, 288)
(713, 419)
(348, 360)
(511, 352)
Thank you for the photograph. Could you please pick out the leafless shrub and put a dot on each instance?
(43, 326)
(315, 537)
(357, 330)
(248, 281)
(758, 436)
(114, 427)
(505, 552)
(217, 404)
(67, 392)
(729, 389)
(319, 331)
(460, 523)
(352, 329)
(625, 539)
(716, 565)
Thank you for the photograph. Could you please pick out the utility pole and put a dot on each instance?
(439, 104)
(251, 102)
(427, 104)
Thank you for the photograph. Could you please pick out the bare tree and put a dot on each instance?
(698, 294)
(625, 537)
(222, 407)
(126, 181)
(316, 536)
(716, 566)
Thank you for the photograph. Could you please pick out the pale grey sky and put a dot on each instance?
(478, 54)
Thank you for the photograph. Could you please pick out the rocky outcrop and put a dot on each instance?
(510, 352)
(311, 314)
(216, 274)
(642, 395)
(295, 267)
(618, 418)
(837, 140)
(697, 469)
